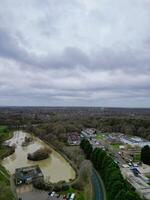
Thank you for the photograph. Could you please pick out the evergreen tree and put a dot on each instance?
(145, 155)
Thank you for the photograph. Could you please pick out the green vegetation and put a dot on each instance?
(82, 186)
(137, 157)
(115, 146)
(80, 195)
(116, 187)
(145, 155)
(4, 133)
(6, 151)
(100, 136)
(40, 154)
(5, 191)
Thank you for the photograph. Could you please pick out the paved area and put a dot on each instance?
(99, 193)
(38, 195)
(137, 181)
(34, 195)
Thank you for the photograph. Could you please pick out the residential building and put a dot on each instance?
(89, 133)
(74, 138)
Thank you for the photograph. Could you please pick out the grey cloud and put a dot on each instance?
(9, 48)
(75, 52)
(108, 59)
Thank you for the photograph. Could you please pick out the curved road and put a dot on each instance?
(98, 187)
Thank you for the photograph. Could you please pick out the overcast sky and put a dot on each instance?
(75, 53)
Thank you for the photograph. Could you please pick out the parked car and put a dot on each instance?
(52, 194)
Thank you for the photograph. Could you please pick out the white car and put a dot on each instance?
(52, 194)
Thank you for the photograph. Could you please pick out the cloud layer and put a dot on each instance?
(75, 53)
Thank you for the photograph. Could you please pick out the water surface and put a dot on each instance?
(55, 168)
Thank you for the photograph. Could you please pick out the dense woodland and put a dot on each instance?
(54, 123)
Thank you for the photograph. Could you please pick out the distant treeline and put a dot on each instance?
(60, 128)
(61, 120)
(117, 187)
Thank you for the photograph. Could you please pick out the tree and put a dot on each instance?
(85, 171)
(87, 148)
(145, 155)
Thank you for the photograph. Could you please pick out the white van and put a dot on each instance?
(72, 197)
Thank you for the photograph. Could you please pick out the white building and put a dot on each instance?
(135, 141)
(89, 133)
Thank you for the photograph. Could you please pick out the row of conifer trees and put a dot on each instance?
(117, 188)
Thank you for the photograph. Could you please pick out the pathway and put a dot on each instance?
(98, 187)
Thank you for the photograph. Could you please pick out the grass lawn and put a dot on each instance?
(115, 146)
(5, 134)
(137, 157)
(100, 136)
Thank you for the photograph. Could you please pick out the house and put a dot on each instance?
(89, 133)
(74, 138)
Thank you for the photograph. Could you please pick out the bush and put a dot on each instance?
(40, 154)
(77, 185)
(40, 184)
(60, 186)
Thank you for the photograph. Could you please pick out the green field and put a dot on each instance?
(5, 134)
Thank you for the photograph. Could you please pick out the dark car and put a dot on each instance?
(49, 193)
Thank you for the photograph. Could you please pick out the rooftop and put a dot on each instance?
(27, 174)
